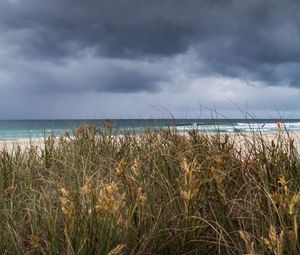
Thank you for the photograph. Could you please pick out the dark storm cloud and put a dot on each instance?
(112, 79)
(83, 75)
(125, 28)
(256, 40)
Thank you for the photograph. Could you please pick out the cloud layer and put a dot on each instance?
(57, 48)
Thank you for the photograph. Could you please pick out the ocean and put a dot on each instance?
(24, 129)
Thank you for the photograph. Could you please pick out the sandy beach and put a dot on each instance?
(24, 144)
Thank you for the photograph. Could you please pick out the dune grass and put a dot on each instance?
(152, 193)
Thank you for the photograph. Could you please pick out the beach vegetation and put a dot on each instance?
(95, 191)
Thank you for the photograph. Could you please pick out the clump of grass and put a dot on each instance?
(94, 192)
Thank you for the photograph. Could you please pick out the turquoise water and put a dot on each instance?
(24, 129)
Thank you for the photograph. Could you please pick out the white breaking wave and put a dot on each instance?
(241, 127)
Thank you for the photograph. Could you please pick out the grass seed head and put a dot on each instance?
(274, 241)
(294, 203)
(121, 167)
(141, 196)
(110, 199)
(118, 250)
(245, 236)
(87, 187)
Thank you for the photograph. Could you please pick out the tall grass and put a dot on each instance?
(154, 193)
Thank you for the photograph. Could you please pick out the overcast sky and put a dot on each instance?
(149, 58)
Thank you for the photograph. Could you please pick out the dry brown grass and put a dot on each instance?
(153, 193)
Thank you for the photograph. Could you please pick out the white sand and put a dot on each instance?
(295, 135)
(24, 144)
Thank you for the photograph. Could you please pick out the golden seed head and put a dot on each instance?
(282, 181)
(266, 242)
(64, 192)
(111, 188)
(184, 165)
(66, 204)
(184, 195)
(87, 188)
(218, 160)
(294, 203)
(118, 250)
(218, 175)
(272, 234)
(274, 241)
(110, 199)
(276, 197)
(188, 167)
(135, 168)
(121, 167)
(141, 196)
(33, 241)
(248, 242)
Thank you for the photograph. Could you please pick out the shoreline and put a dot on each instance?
(25, 143)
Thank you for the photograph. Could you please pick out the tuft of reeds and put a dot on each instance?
(97, 192)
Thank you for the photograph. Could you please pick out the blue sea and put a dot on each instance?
(24, 129)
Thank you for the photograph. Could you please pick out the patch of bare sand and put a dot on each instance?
(243, 139)
(240, 140)
(10, 145)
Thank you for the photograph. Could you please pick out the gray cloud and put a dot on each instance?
(55, 48)
(255, 40)
(92, 75)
